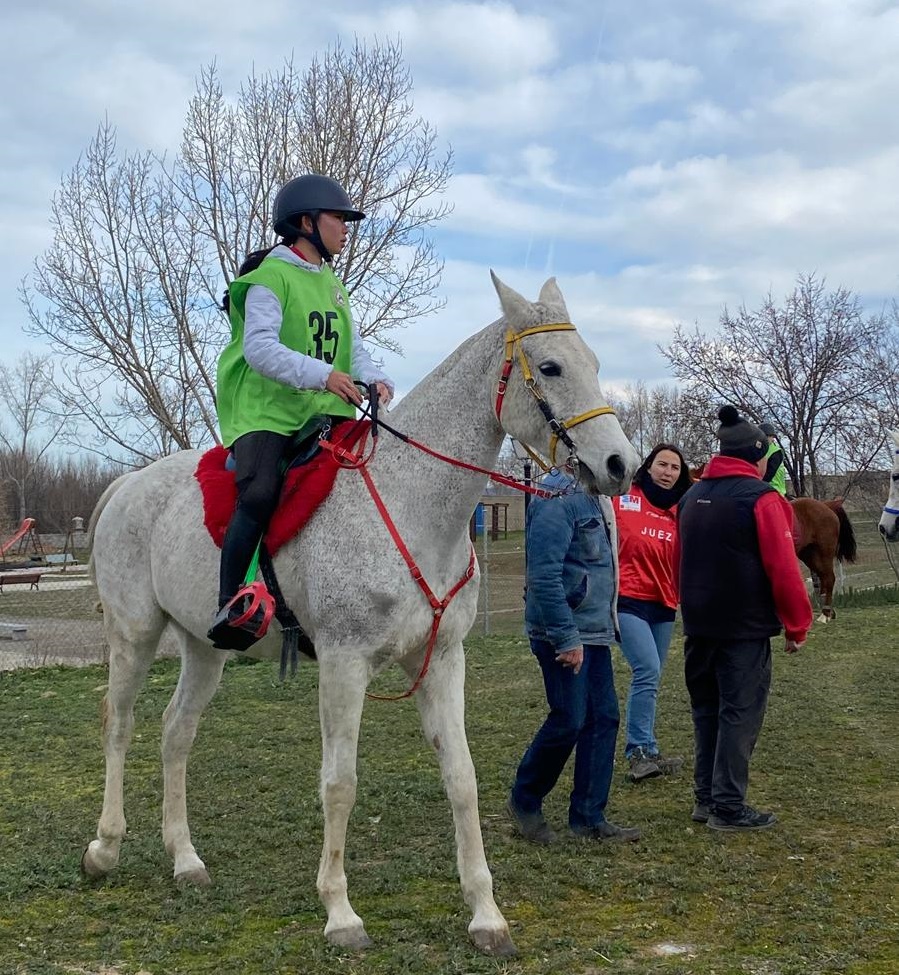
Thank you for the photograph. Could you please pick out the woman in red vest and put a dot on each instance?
(647, 599)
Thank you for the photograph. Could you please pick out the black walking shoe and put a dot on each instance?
(668, 764)
(701, 812)
(532, 826)
(746, 818)
(607, 831)
(642, 766)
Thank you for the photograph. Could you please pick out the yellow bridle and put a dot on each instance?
(559, 428)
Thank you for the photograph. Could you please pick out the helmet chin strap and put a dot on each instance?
(315, 239)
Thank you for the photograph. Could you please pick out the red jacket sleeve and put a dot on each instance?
(773, 519)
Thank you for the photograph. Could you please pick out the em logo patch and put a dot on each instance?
(629, 502)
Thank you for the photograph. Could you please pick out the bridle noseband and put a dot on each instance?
(559, 427)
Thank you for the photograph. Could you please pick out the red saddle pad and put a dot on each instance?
(304, 489)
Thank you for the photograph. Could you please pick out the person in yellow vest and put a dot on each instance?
(775, 469)
(293, 356)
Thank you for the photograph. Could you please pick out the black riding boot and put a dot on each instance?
(241, 538)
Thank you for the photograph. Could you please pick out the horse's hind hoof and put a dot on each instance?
(98, 860)
(353, 938)
(90, 870)
(194, 878)
(497, 944)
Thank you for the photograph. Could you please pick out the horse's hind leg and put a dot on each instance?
(441, 702)
(341, 693)
(201, 671)
(130, 657)
(826, 582)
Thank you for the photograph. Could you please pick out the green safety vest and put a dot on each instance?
(779, 480)
(316, 321)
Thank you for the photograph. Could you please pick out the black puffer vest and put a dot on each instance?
(724, 590)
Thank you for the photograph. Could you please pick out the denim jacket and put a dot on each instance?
(572, 567)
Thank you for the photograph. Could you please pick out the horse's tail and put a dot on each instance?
(95, 517)
(847, 549)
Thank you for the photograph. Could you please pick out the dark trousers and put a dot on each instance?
(583, 718)
(259, 477)
(728, 681)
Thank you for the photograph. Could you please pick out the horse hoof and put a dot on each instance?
(497, 944)
(194, 878)
(353, 938)
(90, 869)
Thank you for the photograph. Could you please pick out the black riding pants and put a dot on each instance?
(728, 681)
(258, 457)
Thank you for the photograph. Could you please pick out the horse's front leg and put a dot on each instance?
(341, 692)
(441, 702)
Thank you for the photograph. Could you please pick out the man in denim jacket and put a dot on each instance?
(572, 583)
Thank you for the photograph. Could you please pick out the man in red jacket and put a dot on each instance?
(740, 584)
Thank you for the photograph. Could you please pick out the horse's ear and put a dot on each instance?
(552, 298)
(515, 308)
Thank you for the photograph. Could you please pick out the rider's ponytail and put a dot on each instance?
(250, 263)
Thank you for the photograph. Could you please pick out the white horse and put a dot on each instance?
(889, 520)
(156, 567)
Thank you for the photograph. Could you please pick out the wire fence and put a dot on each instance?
(58, 621)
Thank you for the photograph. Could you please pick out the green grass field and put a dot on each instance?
(817, 894)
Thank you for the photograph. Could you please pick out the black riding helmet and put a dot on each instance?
(311, 194)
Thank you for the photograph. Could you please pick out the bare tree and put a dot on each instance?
(666, 414)
(129, 291)
(26, 431)
(817, 368)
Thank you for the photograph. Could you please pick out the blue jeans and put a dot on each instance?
(583, 718)
(645, 647)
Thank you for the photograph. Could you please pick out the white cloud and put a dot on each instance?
(477, 42)
(662, 161)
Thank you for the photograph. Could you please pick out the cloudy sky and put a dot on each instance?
(660, 159)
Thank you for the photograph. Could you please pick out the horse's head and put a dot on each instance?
(889, 520)
(549, 397)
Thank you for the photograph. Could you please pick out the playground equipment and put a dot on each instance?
(23, 535)
(68, 550)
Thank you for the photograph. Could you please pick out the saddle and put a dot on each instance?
(308, 481)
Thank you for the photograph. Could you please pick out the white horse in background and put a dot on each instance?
(156, 567)
(889, 520)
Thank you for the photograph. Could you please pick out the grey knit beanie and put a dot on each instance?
(768, 429)
(739, 437)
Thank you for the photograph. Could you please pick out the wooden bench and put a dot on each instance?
(20, 579)
(13, 631)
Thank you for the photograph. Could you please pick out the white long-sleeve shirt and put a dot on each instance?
(264, 351)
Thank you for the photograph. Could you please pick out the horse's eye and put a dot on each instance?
(550, 368)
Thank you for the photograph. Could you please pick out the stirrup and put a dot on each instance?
(244, 619)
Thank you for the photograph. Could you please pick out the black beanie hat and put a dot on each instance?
(739, 437)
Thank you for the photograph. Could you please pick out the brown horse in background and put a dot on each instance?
(822, 533)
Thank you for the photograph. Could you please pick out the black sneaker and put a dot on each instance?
(532, 826)
(746, 818)
(607, 831)
(701, 812)
(642, 766)
(668, 764)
